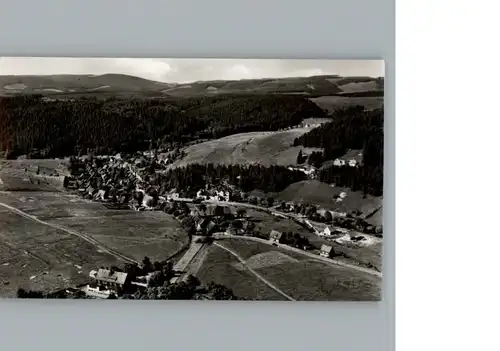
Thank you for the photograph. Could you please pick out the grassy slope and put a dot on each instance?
(302, 278)
(360, 86)
(266, 148)
(135, 234)
(223, 268)
(331, 103)
(315, 281)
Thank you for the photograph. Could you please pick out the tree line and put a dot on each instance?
(246, 177)
(77, 126)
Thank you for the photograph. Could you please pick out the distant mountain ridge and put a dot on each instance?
(121, 84)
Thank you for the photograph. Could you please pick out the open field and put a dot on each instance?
(316, 281)
(132, 234)
(266, 148)
(331, 103)
(354, 87)
(135, 234)
(40, 257)
(223, 268)
(367, 254)
(296, 275)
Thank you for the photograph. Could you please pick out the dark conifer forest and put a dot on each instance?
(76, 126)
(245, 177)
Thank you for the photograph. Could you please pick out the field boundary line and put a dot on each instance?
(72, 232)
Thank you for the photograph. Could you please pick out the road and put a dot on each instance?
(264, 280)
(305, 253)
(186, 259)
(293, 216)
(72, 232)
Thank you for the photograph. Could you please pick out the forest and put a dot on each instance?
(246, 177)
(78, 126)
(351, 128)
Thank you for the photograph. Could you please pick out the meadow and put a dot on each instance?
(55, 247)
(296, 275)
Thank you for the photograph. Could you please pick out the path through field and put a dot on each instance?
(272, 286)
(72, 232)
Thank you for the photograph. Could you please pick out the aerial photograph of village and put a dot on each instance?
(191, 179)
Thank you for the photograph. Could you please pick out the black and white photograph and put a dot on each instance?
(191, 179)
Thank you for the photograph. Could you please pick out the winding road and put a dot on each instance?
(264, 280)
(72, 232)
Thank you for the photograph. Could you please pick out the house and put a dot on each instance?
(91, 191)
(109, 278)
(326, 251)
(275, 236)
(339, 162)
(230, 231)
(214, 196)
(202, 194)
(148, 201)
(353, 158)
(101, 195)
(206, 226)
(326, 232)
(97, 292)
(341, 197)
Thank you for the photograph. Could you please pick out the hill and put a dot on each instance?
(76, 84)
(266, 148)
(333, 102)
(120, 84)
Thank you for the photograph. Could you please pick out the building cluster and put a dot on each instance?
(110, 179)
(309, 171)
(213, 195)
(125, 181)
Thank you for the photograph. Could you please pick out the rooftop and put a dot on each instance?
(326, 248)
(109, 276)
(275, 234)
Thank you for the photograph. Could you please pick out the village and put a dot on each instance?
(127, 182)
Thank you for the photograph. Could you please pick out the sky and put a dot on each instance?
(190, 70)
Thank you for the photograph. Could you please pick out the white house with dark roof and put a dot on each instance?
(110, 278)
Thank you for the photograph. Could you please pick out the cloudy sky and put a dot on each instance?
(189, 70)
